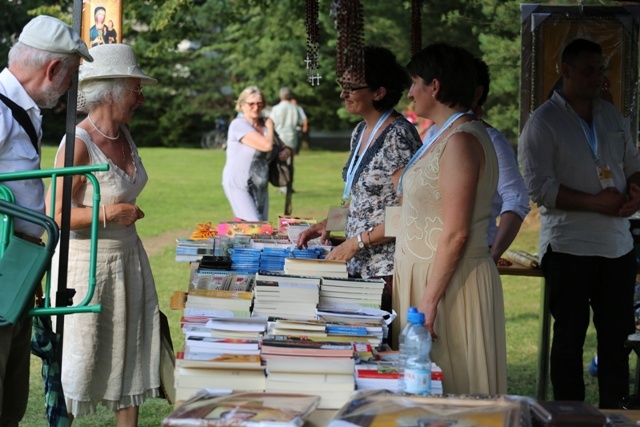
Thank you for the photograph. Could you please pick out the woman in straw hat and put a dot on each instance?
(112, 357)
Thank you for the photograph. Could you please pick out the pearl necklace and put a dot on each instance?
(112, 138)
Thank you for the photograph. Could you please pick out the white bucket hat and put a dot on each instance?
(113, 61)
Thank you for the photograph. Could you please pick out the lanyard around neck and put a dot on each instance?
(353, 165)
(427, 144)
(592, 136)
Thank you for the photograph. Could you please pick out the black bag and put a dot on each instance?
(280, 173)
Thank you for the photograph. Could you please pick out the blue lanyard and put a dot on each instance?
(353, 166)
(592, 136)
(427, 144)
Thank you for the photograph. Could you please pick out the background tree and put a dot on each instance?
(204, 52)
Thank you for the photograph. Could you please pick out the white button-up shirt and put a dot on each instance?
(554, 150)
(18, 154)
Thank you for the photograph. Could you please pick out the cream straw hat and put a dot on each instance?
(113, 61)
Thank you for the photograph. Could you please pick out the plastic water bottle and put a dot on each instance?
(402, 354)
(414, 355)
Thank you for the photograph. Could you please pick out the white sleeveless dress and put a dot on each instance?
(112, 357)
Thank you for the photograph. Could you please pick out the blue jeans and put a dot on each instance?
(607, 286)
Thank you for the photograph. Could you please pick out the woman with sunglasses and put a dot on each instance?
(245, 177)
(380, 147)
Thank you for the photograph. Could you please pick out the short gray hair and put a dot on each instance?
(22, 55)
(92, 93)
(285, 93)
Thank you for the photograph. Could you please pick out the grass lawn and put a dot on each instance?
(184, 189)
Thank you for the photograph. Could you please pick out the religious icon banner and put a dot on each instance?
(101, 22)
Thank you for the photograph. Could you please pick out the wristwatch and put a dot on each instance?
(360, 242)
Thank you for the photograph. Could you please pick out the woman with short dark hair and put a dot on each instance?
(442, 261)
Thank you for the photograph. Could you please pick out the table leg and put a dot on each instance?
(544, 343)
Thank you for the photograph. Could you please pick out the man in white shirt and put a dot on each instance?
(511, 201)
(41, 66)
(582, 168)
(286, 119)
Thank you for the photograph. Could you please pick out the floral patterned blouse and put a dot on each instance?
(373, 190)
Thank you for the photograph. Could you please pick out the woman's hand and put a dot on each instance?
(124, 214)
(313, 232)
(344, 251)
(430, 311)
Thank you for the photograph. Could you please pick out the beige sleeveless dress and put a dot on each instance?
(471, 344)
(112, 357)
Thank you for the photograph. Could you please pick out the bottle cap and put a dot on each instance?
(413, 315)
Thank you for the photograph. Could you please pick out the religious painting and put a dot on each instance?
(101, 22)
(546, 30)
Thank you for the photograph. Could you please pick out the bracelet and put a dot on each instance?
(369, 230)
(104, 216)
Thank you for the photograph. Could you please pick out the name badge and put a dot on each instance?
(337, 218)
(392, 221)
(605, 176)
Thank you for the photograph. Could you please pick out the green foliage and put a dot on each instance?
(204, 52)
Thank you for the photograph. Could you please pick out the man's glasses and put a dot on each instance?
(254, 104)
(138, 90)
(347, 88)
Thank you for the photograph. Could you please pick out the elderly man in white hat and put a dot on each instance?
(113, 357)
(41, 66)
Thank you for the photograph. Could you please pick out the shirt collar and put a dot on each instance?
(14, 90)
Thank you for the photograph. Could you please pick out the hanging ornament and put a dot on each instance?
(416, 26)
(312, 23)
(349, 19)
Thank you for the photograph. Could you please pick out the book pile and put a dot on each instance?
(315, 267)
(243, 409)
(217, 371)
(384, 376)
(289, 297)
(231, 296)
(360, 329)
(191, 250)
(245, 259)
(350, 292)
(327, 376)
(297, 328)
(273, 259)
(223, 280)
(375, 321)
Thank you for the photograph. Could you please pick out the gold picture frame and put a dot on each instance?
(547, 29)
(101, 22)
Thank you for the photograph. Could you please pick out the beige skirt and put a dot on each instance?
(471, 345)
(112, 357)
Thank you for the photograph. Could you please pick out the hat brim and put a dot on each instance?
(144, 79)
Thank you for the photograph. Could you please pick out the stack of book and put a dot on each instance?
(351, 292)
(246, 260)
(369, 328)
(217, 371)
(329, 377)
(190, 250)
(214, 303)
(225, 280)
(384, 376)
(297, 328)
(315, 267)
(210, 345)
(244, 328)
(283, 296)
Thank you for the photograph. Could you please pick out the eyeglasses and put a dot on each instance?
(347, 88)
(254, 104)
(138, 90)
